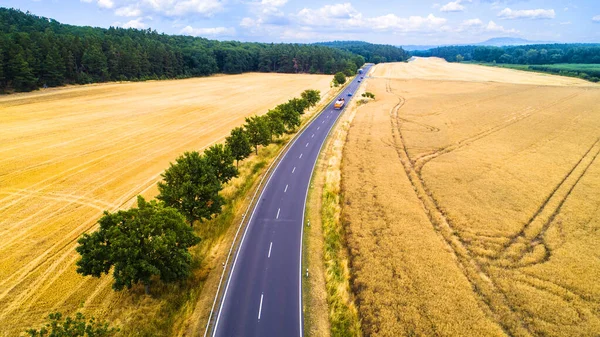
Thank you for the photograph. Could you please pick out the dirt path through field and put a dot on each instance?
(68, 154)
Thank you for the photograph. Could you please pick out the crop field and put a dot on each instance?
(68, 154)
(438, 69)
(471, 202)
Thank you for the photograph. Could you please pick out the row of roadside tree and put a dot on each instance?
(151, 241)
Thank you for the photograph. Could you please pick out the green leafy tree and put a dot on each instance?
(94, 63)
(191, 186)
(299, 105)
(339, 78)
(289, 116)
(359, 60)
(459, 58)
(2, 84)
(221, 159)
(2, 64)
(311, 96)
(53, 69)
(150, 240)
(79, 326)
(22, 75)
(257, 128)
(239, 144)
(275, 122)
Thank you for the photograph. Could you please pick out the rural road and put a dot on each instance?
(263, 293)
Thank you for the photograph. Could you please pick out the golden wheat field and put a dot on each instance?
(472, 203)
(68, 154)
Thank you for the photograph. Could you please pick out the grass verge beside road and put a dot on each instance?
(327, 297)
(219, 233)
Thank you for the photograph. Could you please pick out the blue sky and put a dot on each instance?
(390, 22)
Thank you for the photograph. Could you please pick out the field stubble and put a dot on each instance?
(472, 208)
(68, 154)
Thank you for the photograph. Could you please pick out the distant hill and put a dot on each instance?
(493, 42)
(509, 41)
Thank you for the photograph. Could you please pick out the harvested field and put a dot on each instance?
(68, 154)
(472, 207)
(438, 69)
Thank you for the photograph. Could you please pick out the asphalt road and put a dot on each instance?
(263, 294)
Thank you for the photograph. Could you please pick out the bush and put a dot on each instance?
(339, 78)
(368, 95)
(73, 327)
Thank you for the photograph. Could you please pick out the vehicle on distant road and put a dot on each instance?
(349, 94)
(339, 103)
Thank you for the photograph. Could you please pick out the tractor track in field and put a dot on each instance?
(67, 244)
(478, 101)
(532, 233)
(68, 158)
(493, 302)
(60, 256)
(481, 270)
(97, 160)
(103, 146)
(124, 136)
(421, 160)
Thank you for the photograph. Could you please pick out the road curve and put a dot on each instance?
(263, 296)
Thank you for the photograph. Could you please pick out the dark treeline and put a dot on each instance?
(37, 51)
(532, 54)
(373, 53)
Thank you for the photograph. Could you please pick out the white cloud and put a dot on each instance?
(478, 26)
(472, 23)
(410, 24)
(328, 13)
(128, 11)
(214, 31)
(170, 8)
(136, 23)
(493, 27)
(596, 18)
(453, 6)
(508, 13)
(185, 7)
(266, 12)
(275, 3)
(249, 22)
(344, 17)
(565, 23)
(106, 3)
(497, 4)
